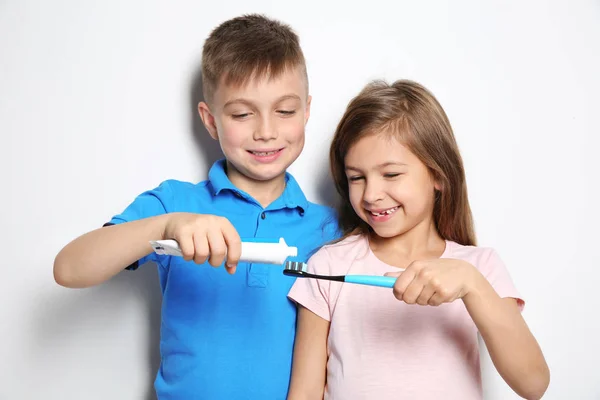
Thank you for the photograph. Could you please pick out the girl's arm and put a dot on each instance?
(310, 357)
(512, 347)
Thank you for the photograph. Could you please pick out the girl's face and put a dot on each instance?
(390, 188)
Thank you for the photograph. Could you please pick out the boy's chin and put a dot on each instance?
(268, 172)
(265, 173)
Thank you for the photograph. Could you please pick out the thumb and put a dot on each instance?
(394, 274)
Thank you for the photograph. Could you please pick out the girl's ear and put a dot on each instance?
(438, 186)
(437, 182)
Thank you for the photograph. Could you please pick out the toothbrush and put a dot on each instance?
(298, 269)
(252, 252)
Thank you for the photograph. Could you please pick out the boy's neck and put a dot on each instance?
(265, 192)
(420, 243)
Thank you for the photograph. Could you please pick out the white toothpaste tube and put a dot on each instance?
(253, 252)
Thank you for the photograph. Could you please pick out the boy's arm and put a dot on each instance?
(310, 357)
(100, 254)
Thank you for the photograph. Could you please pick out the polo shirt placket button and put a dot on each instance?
(263, 215)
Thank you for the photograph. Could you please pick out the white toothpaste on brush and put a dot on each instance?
(252, 252)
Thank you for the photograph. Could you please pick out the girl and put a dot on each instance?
(405, 213)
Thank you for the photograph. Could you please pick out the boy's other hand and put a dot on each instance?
(203, 236)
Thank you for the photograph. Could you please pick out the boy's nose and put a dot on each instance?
(266, 131)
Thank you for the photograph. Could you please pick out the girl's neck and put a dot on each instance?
(420, 243)
(265, 192)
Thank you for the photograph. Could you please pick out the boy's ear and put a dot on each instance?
(208, 120)
(307, 113)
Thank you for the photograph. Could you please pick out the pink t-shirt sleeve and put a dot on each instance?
(313, 294)
(496, 273)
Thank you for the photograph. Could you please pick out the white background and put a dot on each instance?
(97, 103)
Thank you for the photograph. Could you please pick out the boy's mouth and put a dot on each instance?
(266, 156)
(264, 153)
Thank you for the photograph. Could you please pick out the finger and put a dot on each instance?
(435, 300)
(426, 276)
(405, 279)
(425, 295)
(200, 247)
(444, 295)
(413, 291)
(186, 245)
(234, 245)
(217, 247)
(394, 274)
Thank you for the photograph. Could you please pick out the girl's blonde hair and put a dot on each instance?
(413, 115)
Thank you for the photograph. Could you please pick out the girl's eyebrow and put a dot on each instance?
(379, 166)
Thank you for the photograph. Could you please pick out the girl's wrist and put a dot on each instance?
(475, 282)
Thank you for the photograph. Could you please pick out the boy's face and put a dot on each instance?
(260, 126)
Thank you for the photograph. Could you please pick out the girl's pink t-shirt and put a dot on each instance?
(381, 348)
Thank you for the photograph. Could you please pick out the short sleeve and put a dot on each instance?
(331, 229)
(328, 231)
(148, 204)
(313, 294)
(497, 274)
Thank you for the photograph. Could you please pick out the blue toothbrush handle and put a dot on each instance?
(372, 280)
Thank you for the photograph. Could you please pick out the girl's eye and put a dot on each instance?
(391, 175)
(287, 112)
(240, 116)
(354, 178)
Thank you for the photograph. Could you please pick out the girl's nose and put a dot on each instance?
(373, 192)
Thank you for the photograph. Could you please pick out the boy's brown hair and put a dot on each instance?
(249, 47)
(410, 113)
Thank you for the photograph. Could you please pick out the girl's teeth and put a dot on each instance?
(386, 212)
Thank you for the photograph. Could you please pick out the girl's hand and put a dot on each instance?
(434, 282)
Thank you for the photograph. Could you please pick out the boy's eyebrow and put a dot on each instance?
(382, 165)
(241, 101)
(288, 96)
(249, 103)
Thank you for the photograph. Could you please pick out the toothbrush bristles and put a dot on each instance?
(295, 266)
(300, 270)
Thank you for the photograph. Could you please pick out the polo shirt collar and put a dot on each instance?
(292, 196)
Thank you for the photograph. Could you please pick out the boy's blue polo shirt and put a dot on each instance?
(230, 336)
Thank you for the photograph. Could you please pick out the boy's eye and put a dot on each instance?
(240, 116)
(391, 175)
(286, 112)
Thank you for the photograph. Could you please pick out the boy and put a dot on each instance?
(224, 337)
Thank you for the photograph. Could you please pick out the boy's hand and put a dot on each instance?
(434, 282)
(203, 236)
